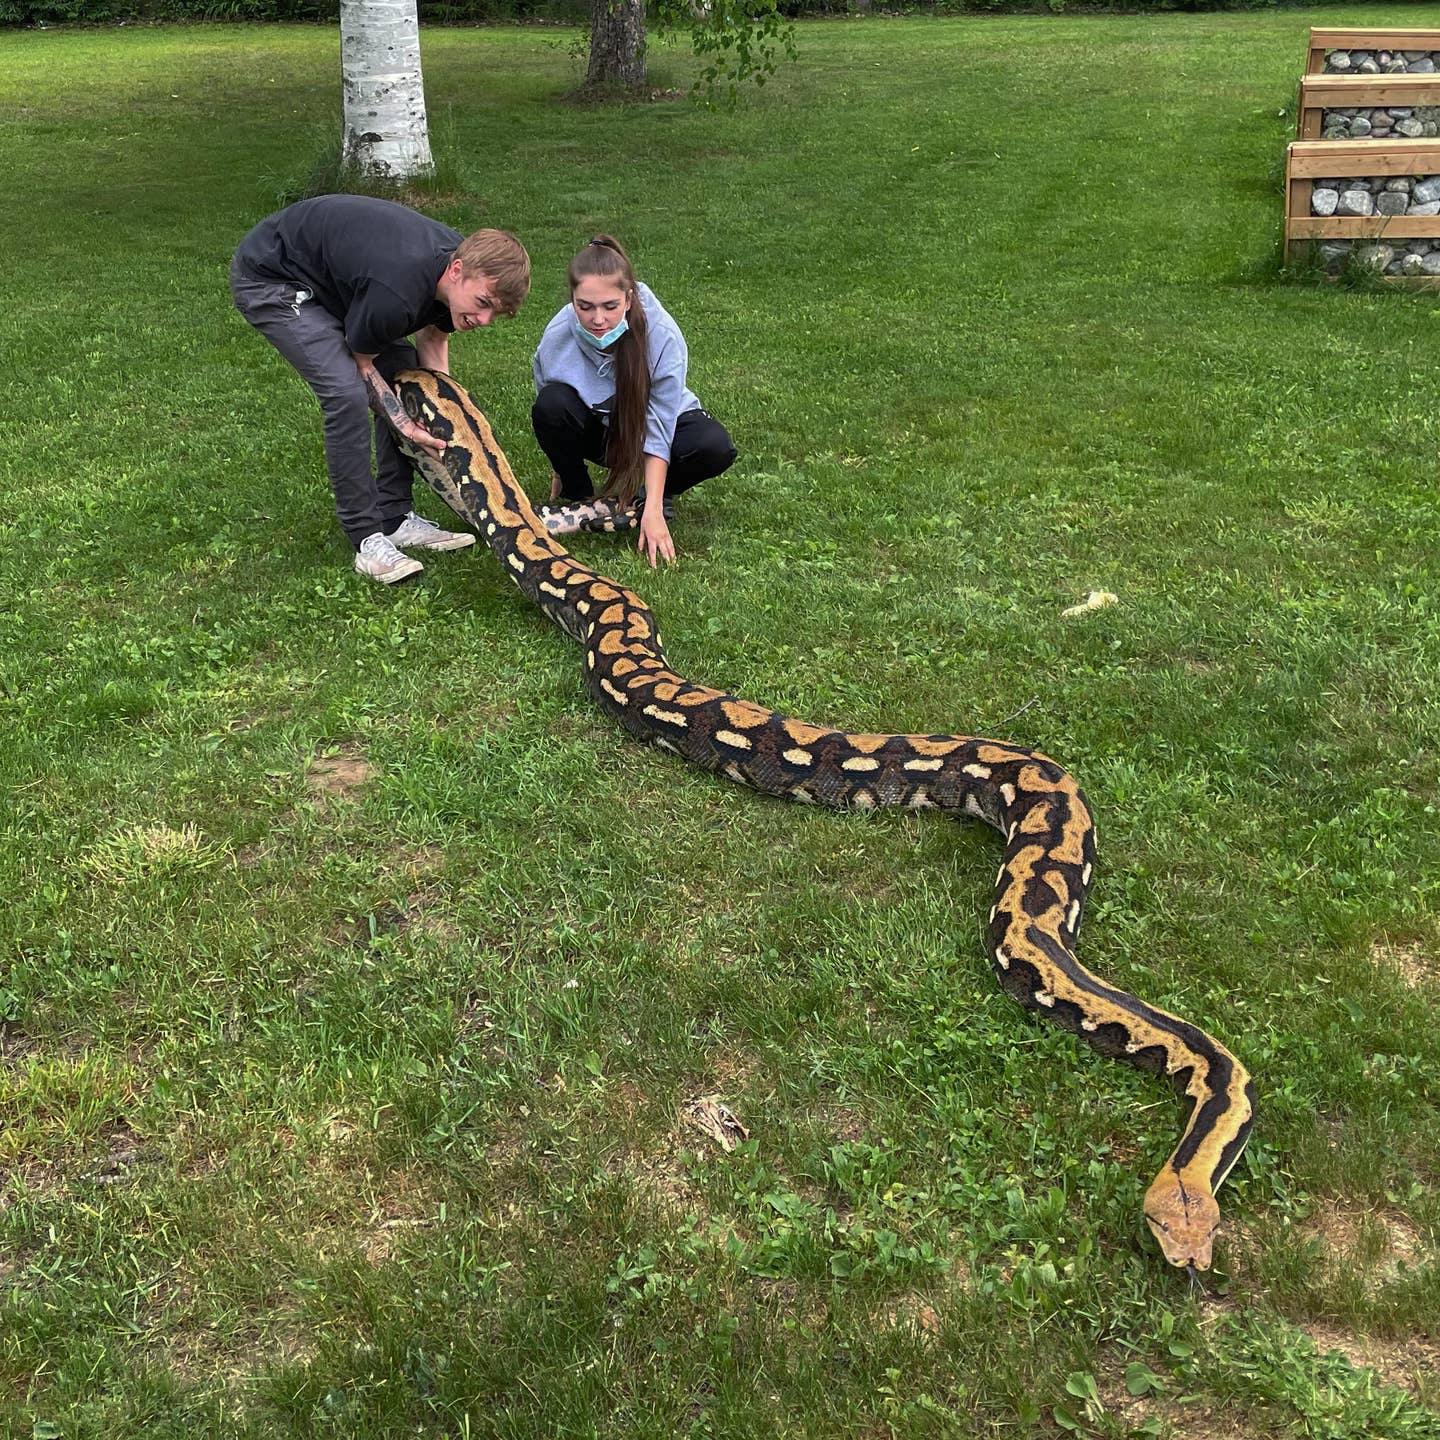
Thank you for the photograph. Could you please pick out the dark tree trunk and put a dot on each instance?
(617, 44)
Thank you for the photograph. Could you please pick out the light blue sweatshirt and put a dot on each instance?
(562, 356)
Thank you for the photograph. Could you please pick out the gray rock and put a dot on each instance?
(1430, 207)
(1430, 264)
(1323, 202)
(1355, 202)
(1410, 129)
(1424, 66)
(1338, 60)
(1418, 247)
(1399, 112)
(1333, 252)
(1427, 190)
(1391, 204)
(1360, 126)
(1377, 257)
(1412, 265)
(1400, 185)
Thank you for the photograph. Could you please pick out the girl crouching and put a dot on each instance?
(610, 388)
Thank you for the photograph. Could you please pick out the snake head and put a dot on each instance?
(1183, 1220)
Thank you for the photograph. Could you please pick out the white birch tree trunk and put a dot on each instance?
(384, 98)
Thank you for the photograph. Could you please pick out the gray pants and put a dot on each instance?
(313, 341)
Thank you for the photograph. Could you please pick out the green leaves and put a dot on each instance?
(738, 42)
(1140, 1379)
(1078, 1419)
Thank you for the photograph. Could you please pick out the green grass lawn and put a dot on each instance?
(357, 974)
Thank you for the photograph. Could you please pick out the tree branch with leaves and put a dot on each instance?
(738, 42)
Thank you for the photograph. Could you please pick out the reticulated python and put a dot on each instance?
(1032, 801)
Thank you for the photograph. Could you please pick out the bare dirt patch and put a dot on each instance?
(730, 1071)
(845, 1124)
(30, 1178)
(1411, 1364)
(270, 715)
(120, 1151)
(914, 1313)
(421, 913)
(657, 1171)
(203, 1354)
(597, 96)
(424, 913)
(1410, 960)
(247, 857)
(475, 1027)
(15, 1045)
(397, 1210)
(1372, 1244)
(1185, 1420)
(340, 775)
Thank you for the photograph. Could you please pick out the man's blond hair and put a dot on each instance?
(500, 256)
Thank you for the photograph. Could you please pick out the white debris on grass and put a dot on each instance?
(1095, 600)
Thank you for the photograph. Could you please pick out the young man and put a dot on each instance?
(340, 285)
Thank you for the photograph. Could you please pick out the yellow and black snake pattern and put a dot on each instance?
(1034, 804)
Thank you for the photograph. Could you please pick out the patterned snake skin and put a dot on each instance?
(1033, 803)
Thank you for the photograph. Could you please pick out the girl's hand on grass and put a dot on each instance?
(655, 535)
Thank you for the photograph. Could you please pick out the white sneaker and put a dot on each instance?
(378, 558)
(422, 534)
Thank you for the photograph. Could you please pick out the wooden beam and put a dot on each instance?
(1319, 93)
(1365, 227)
(1325, 39)
(1308, 159)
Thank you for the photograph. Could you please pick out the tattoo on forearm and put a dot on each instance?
(384, 400)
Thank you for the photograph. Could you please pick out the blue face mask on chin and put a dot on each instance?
(599, 342)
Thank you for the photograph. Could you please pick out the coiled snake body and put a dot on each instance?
(1036, 806)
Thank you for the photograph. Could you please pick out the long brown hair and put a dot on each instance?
(604, 258)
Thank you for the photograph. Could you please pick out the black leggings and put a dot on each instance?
(570, 433)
